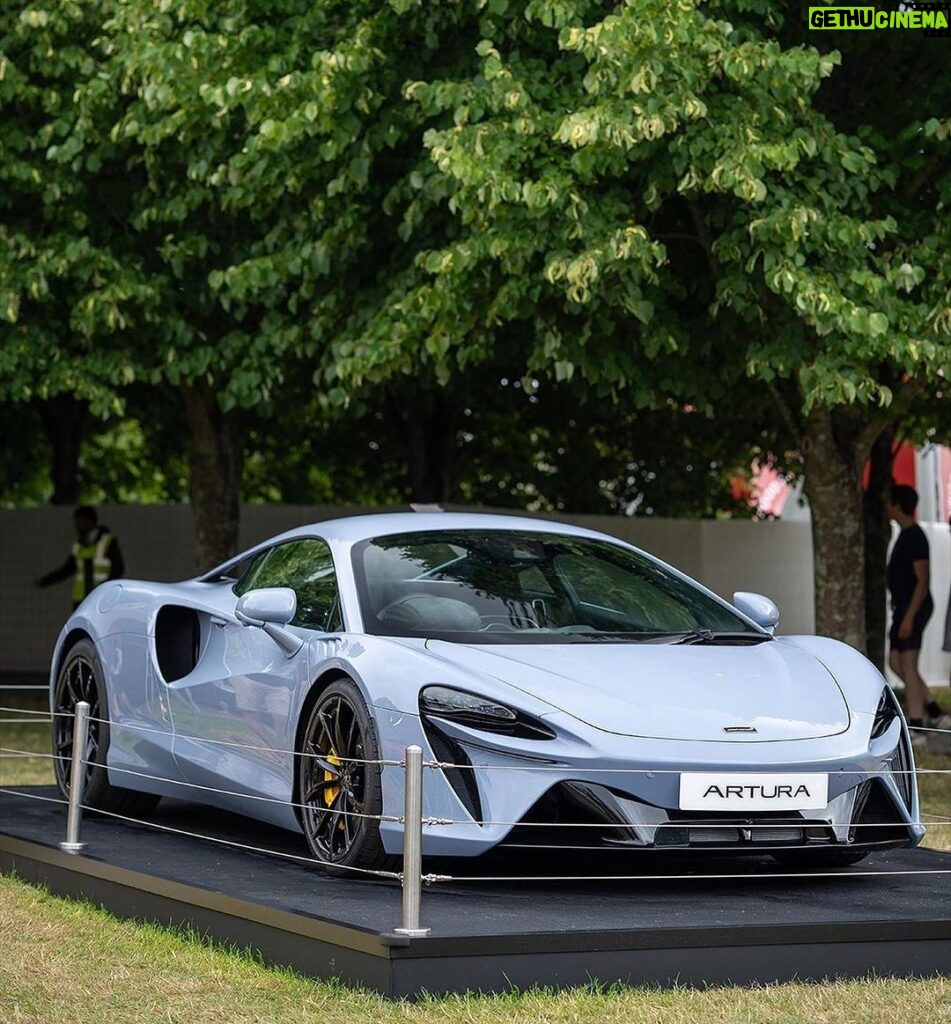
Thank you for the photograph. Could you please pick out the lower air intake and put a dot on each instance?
(722, 835)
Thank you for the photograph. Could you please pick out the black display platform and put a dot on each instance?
(489, 935)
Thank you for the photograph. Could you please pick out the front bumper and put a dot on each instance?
(575, 793)
(587, 816)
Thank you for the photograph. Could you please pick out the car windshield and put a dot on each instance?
(500, 586)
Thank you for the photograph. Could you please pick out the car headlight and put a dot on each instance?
(480, 713)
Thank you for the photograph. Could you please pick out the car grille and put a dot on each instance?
(754, 833)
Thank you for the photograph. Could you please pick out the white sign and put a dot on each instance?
(748, 791)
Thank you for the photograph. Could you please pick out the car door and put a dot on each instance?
(234, 714)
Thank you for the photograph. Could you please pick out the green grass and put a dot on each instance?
(66, 961)
(29, 733)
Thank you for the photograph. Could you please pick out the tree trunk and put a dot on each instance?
(430, 439)
(64, 422)
(215, 463)
(832, 464)
(877, 534)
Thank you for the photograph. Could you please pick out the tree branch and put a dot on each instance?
(905, 396)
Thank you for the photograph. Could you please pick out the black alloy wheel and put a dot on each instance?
(81, 679)
(77, 682)
(339, 785)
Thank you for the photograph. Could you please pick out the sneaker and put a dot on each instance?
(943, 721)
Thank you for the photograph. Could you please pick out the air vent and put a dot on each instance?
(461, 779)
(177, 641)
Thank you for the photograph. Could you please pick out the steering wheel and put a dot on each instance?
(427, 611)
(397, 602)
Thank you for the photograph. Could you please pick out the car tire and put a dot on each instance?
(81, 678)
(808, 859)
(338, 785)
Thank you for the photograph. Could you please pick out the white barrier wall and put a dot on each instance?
(773, 558)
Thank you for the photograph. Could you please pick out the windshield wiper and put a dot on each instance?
(598, 638)
(709, 636)
(693, 636)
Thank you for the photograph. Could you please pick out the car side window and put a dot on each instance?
(306, 566)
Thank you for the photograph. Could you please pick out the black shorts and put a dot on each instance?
(913, 642)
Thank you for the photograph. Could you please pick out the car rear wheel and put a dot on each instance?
(81, 679)
(338, 785)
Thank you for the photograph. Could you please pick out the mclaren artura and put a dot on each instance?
(567, 689)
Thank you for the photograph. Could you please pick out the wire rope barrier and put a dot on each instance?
(146, 823)
(412, 876)
(240, 744)
(443, 765)
(722, 876)
(340, 761)
(253, 796)
(299, 857)
(137, 727)
(26, 711)
(434, 877)
(435, 764)
(34, 796)
(393, 762)
(443, 821)
(398, 819)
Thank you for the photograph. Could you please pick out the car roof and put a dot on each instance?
(352, 529)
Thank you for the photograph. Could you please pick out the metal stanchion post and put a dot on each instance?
(77, 779)
(412, 843)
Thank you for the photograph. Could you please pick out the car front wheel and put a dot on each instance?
(339, 786)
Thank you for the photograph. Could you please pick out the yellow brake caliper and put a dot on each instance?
(330, 793)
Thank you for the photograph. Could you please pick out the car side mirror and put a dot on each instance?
(269, 604)
(269, 609)
(758, 608)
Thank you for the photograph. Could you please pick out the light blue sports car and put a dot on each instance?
(568, 690)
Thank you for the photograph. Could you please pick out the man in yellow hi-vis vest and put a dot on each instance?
(95, 557)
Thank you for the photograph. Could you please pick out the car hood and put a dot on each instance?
(685, 692)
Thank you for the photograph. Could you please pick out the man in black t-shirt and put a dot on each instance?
(912, 606)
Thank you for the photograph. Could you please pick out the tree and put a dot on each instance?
(662, 200)
(70, 291)
(24, 461)
(655, 196)
(266, 142)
